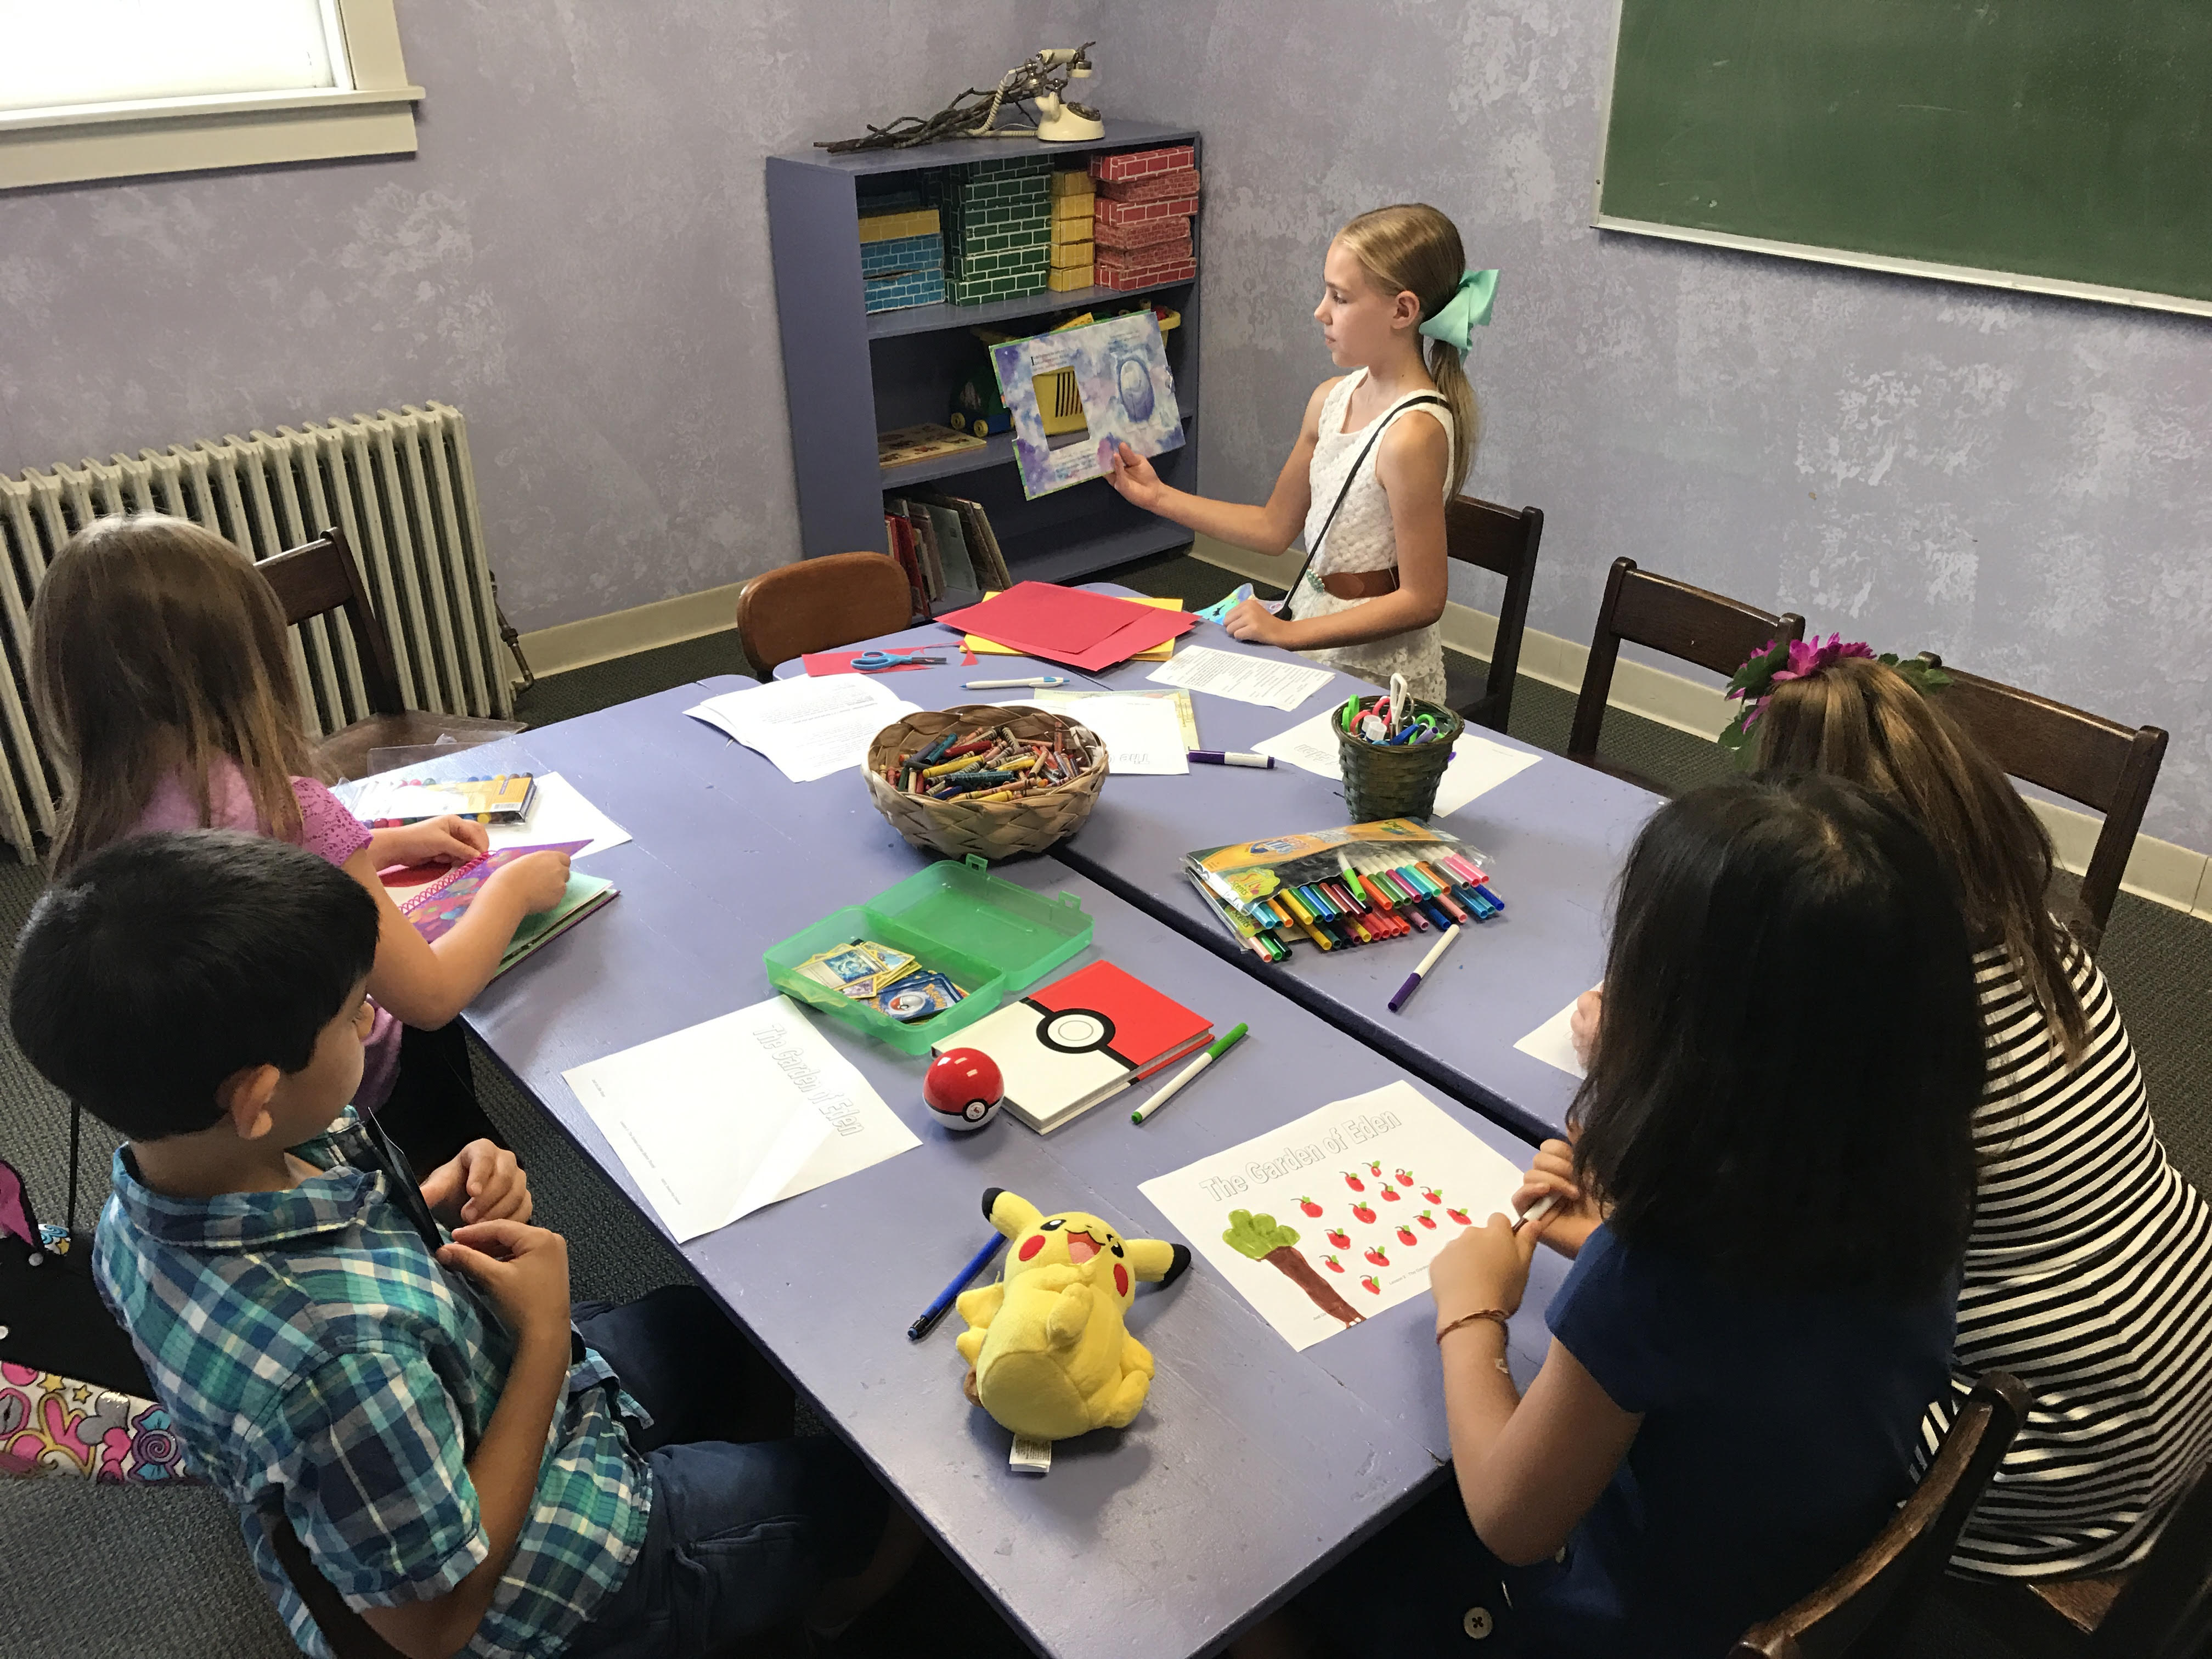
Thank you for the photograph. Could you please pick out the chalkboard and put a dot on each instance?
(2064, 145)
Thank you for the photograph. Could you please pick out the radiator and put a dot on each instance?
(399, 485)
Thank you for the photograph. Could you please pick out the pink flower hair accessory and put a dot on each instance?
(1779, 660)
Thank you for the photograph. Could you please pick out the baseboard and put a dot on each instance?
(2157, 870)
(619, 634)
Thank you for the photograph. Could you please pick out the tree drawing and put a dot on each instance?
(1259, 1239)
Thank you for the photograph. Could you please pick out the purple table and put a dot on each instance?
(1556, 835)
(1252, 1466)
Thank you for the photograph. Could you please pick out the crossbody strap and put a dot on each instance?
(1381, 421)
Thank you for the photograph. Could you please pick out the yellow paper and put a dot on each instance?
(1160, 653)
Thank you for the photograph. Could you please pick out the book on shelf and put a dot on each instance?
(953, 557)
(983, 549)
(898, 533)
(905, 445)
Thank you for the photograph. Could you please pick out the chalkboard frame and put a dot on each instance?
(1977, 275)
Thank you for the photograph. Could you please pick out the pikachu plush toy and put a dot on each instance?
(1051, 1357)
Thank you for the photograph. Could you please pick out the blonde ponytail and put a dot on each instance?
(1409, 247)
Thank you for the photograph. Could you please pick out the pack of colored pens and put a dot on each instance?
(1336, 888)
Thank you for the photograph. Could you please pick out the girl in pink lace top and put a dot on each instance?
(161, 673)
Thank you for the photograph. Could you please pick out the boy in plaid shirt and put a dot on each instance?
(466, 1468)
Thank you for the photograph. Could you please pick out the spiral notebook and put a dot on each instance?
(433, 909)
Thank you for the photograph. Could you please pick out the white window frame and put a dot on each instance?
(376, 116)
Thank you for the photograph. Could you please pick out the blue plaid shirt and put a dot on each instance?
(314, 1355)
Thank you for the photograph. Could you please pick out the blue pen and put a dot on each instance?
(935, 1310)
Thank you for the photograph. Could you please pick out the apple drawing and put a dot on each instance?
(1374, 1286)
(1332, 1264)
(1374, 1255)
(1342, 1239)
(1408, 1236)
(1404, 1179)
(1354, 1181)
(1432, 1196)
(1308, 1206)
(1425, 1219)
(1375, 1169)
(1389, 1196)
(1459, 1216)
(1364, 1212)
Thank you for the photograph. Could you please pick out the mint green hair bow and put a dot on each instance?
(1466, 310)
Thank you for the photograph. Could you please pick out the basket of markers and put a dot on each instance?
(985, 779)
(1394, 751)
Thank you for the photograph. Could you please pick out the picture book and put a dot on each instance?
(434, 908)
(1083, 1039)
(908, 444)
(385, 800)
(1336, 1216)
(1076, 394)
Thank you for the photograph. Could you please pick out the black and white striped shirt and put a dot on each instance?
(2089, 1276)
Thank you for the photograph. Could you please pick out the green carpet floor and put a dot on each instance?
(162, 1575)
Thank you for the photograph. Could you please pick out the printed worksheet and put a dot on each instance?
(1336, 1215)
(809, 728)
(1269, 681)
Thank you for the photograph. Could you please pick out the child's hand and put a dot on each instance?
(1253, 621)
(1582, 1023)
(1574, 1215)
(448, 840)
(538, 881)
(1485, 1266)
(523, 1270)
(1133, 474)
(483, 1183)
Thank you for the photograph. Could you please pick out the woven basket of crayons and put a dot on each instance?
(1394, 751)
(984, 780)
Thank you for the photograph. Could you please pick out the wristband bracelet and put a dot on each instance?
(1499, 1315)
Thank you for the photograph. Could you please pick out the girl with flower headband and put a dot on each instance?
(1380, 451)
(2088, 1272)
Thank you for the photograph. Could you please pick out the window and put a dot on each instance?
(108, 89)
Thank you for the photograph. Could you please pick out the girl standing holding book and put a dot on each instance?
(1379, 452)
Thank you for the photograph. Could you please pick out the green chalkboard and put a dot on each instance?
(2066, 143)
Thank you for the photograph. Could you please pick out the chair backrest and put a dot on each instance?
(2105, 765)
(322, 577)
(1863, 1609)
(1498, 538)
(818, 605)
(2164, 1610)
(349, 1634)
(1714, 632)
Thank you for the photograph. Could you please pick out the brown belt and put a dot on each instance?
(1361, 584)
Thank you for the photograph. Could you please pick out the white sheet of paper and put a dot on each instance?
(1268, 681)
(381, 797)
(559, 811)
(807, 727)
(1144, 735)
(715, 1122)
(1553, 1044)
(1390, 1153)
(1477, 764)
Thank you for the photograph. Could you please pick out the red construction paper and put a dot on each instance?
(818, 663)
(1094, 632)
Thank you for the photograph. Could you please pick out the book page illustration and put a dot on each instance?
(1335, 1216)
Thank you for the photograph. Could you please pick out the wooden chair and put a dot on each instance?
(1686, 621)
(2083, 757)
(349, 1634)
(1862, 1611)
(321, 577)
(818, 605)
(1498, 539)
(2159, 1609)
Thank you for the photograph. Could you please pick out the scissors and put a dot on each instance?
(874, 662)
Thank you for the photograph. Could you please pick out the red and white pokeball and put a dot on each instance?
(963, 1088)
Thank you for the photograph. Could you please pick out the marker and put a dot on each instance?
(1221, 1047)
(1541, 1207)
(1231, 757)
(935, 1310)
(1436, 952)
(1009, 685)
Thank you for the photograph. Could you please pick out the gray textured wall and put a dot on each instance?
(2020, 483)
(577, 259)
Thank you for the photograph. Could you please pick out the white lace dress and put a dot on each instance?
(1362, 539)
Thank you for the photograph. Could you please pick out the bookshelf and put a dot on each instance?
(848, 375)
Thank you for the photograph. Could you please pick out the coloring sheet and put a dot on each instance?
(1336, 1215)
(1074, 395)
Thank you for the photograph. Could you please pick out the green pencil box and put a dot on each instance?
(991, 938)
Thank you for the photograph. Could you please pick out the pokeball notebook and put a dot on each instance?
(1063, 1048)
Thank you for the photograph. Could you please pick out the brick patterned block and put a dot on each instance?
(898, 227)
(1071, 181)
(1067, 255)
(896, 293)
(1160, 233)
(1137, 163)
(1019, 287)
(908, 253)
(1124, 215)
(1141, 268)
(1065, 231)
(1073, 206)
(1067, 281)
(1152, 187)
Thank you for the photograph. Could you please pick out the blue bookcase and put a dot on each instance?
(848, 375)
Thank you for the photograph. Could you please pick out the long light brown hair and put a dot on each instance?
(1409, 247)
(156, 650)
(1862, 720)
